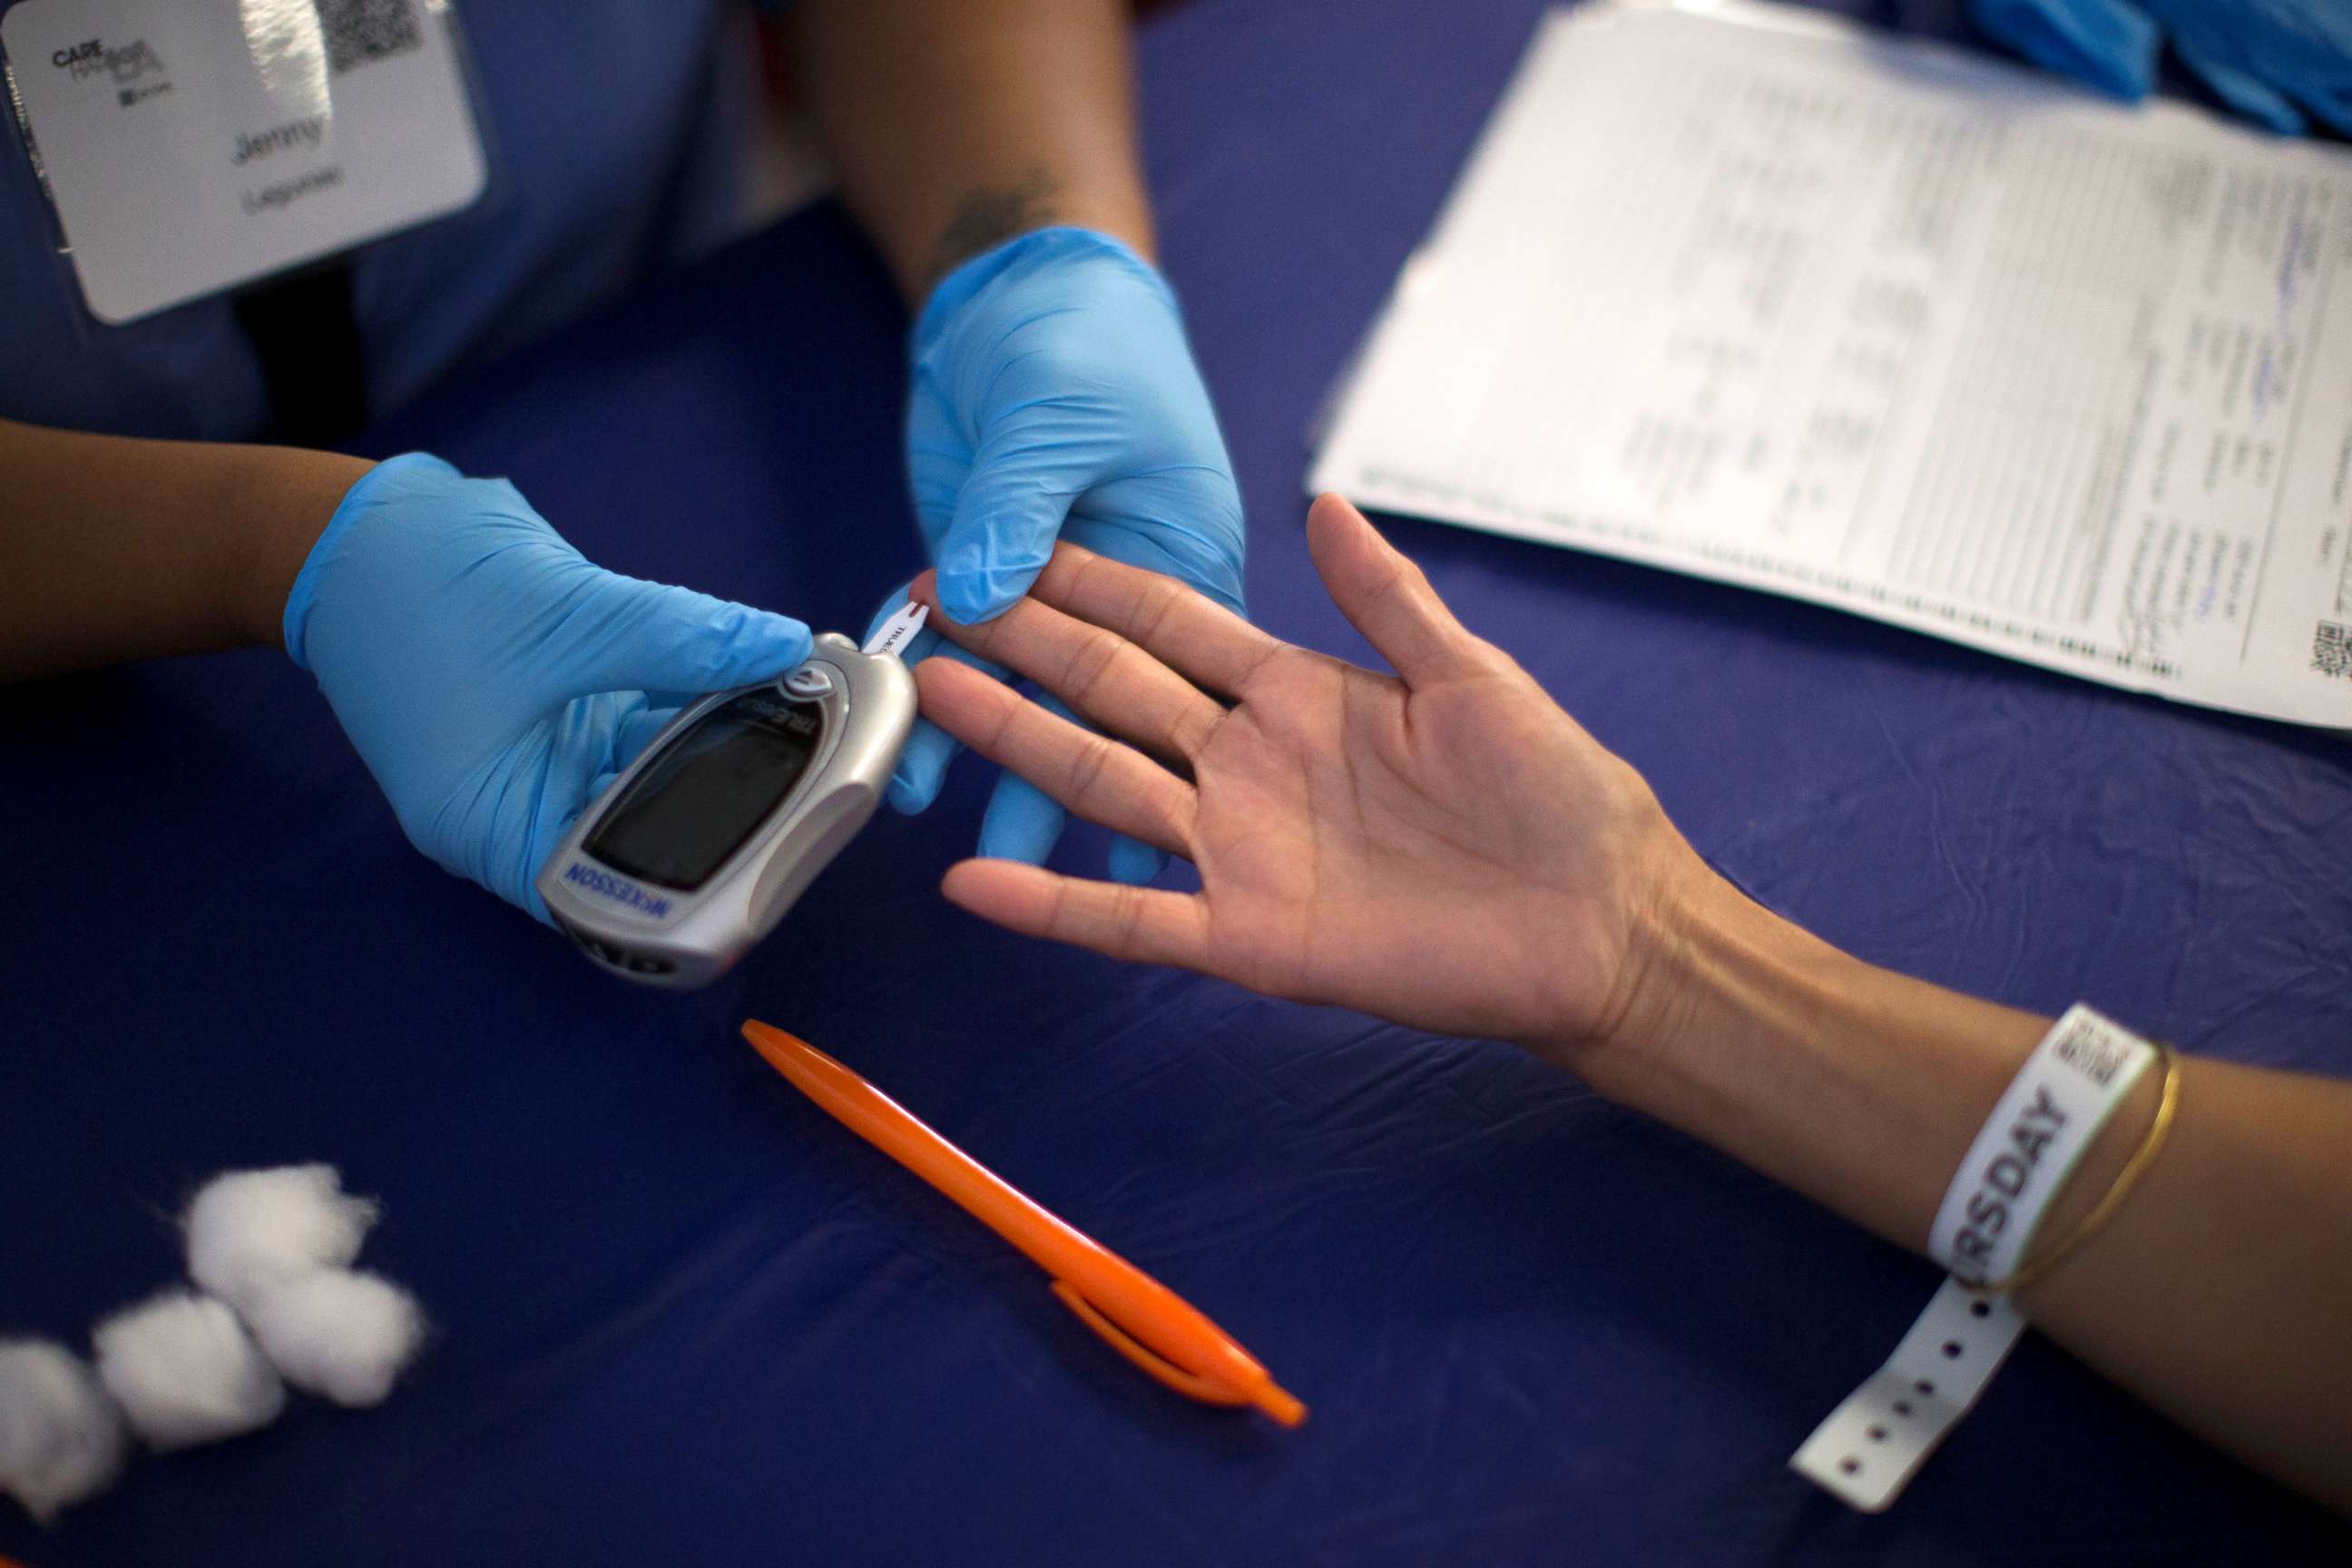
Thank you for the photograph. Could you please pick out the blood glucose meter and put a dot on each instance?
(703, 842)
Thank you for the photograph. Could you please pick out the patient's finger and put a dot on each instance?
(1190, 633)
(1385, 597)
(1093, 776)
(1143, 925)
(1101, 674)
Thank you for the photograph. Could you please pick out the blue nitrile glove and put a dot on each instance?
(1054, 396)
(2270, 60)
(491, 678)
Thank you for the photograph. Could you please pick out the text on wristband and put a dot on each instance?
(2005, 1178)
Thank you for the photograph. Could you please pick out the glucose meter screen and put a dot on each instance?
(710, 787)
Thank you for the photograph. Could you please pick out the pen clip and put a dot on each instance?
(1192, 1384)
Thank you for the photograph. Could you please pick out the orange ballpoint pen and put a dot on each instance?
(1141, 1319)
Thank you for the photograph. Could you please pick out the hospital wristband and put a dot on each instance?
(1871, 1444)
(2027, 1148)
(2046, 1262)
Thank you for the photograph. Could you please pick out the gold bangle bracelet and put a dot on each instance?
(2036, 1269)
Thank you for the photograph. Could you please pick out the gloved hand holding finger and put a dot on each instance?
(1054, 396)
(491, 678)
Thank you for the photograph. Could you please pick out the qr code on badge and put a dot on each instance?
(359, 31)
(2331, 649)
(2087, 1048)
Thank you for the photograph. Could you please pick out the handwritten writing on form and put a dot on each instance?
(1881, 325)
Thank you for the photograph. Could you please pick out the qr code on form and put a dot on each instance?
(2331, 649)
(359, 31)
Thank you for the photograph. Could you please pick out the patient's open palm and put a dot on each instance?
(1443, 847)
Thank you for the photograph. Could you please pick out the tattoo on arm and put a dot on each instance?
(985, 219)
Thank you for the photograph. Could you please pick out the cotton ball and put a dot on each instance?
(185, 1372)
(250, 1231)
(340, 1335)
(60, 1438)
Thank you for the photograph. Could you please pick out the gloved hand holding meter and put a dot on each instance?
(507, 694)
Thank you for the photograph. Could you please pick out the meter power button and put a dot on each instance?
(809, 680)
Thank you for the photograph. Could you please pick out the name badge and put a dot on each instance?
(189, 146)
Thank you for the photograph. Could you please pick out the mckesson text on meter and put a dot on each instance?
(700, 848)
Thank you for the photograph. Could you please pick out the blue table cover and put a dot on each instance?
(681, 1317)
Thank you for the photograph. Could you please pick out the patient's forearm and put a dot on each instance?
(114, 549)
(2221, 1293)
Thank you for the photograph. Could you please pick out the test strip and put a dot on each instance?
(894, 633)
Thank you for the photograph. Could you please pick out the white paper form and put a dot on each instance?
(1763, 296)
